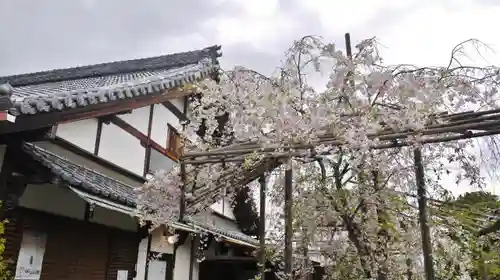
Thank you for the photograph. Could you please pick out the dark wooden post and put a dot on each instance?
(288, 222)
(422, 211)
(305, 254)
(194, 242)
(262, 227)
(348, 49)
(182, 207)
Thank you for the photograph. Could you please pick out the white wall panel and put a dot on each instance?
(159, 243)
(122, 149)
(161, 118)
(80, 133)
(178, 103)
(138, 118)
(142, 254)
(182, 260)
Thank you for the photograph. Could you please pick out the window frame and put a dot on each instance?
(173, 139)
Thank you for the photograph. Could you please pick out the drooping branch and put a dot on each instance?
(356, 155)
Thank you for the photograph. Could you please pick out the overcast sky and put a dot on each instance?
(41, 35)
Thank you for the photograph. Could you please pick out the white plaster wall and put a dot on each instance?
(122, 149)
(159, 162)
(142, 254)
(159, 243)
(80, 133)
(138, 118)
(159, 130)
(62, 201)
(178, 103)
(182, 260)
(196, 270)
(223, 207)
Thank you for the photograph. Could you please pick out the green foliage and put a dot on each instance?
(478, 200)
(470, 209)
(245, 211)
(4, 272)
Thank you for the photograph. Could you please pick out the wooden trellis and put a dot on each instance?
(441, 128)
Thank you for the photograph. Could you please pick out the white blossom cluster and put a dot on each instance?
(343, 187)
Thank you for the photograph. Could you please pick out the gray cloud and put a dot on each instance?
(41, 35)
(266, 61)
(37, 35)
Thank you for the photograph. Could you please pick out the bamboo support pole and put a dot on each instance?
(262, 227)
(288, 223)
(459, 127)
(389, 145)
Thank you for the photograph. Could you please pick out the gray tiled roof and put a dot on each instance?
(87, 85)
(83, 178)
(218, 225)
(92, 182)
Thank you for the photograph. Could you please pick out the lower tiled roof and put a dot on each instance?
(219, 225)
(93, 182)
(83, 178)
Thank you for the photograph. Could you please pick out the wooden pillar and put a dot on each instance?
(288, 222)
(262, 227)
(422, 213)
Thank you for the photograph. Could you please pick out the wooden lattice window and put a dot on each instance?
(174, 143)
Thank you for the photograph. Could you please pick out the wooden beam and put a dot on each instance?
(98, 137)
(39, 120)
(144, 139)
(171, 107)
(147, 162)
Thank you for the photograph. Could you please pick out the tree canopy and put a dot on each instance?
(350, 146)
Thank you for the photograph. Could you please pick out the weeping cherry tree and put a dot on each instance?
(353, 179)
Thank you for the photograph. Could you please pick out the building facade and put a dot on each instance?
(82, 140)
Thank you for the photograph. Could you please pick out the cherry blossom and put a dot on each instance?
(353, 179)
